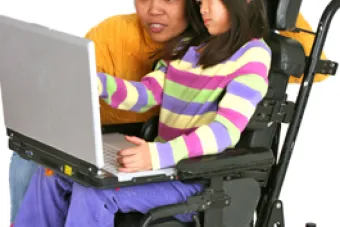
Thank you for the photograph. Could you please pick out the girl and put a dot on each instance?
(207, 92)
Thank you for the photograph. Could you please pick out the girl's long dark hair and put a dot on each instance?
(248, 20)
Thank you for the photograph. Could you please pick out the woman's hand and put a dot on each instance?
(136, 158)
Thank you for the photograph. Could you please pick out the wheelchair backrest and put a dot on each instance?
(288, 59)
(282, 14)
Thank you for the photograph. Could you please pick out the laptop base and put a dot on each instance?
(66, 165)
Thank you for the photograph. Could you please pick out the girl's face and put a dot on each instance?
(215, 16)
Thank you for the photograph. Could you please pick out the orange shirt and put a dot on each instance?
(123, 49)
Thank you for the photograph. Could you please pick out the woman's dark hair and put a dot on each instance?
(194, 34)
(248, 20)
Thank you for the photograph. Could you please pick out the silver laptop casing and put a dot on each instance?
(46, 77)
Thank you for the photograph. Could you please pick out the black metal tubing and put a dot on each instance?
(280, 169)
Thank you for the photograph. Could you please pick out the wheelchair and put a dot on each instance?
(243, 184)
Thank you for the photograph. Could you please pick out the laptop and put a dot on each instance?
(51, 106)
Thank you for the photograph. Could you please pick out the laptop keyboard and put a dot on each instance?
(110, 158)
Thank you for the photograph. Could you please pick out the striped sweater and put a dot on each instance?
(203, 111)
(123, 49)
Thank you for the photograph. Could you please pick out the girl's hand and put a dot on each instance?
(136, 158)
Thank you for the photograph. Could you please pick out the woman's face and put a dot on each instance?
(163, 19)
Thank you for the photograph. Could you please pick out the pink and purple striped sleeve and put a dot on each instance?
(131, 95)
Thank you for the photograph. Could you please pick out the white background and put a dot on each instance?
(311, 190)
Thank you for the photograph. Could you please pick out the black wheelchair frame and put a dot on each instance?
(269, 214)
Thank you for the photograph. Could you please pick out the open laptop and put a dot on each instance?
(51, 106)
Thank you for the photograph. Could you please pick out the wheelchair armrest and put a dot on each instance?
(229, 162)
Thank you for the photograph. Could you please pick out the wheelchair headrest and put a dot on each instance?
(282, 14)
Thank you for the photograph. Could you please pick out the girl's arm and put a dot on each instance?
(131, 95)
(235, 109)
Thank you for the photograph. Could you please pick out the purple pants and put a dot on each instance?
(55, 201)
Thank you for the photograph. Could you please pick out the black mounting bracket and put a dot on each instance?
(325, 67)
(276, 217)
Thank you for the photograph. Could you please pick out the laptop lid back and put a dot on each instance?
(49, 88)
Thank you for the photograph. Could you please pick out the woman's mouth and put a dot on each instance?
(156, 28)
